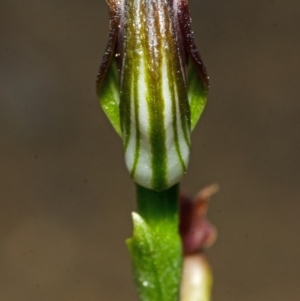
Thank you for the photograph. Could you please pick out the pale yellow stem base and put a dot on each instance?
(196, 280)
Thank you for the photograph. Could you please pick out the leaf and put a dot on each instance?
(156, 256)
(107, 79)
(197, 94)
(198, 81)
(109, 96)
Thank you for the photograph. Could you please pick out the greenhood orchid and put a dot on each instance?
(153, 86)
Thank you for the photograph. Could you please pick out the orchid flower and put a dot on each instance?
(153, 86)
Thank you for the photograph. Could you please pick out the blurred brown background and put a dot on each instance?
(65, 195)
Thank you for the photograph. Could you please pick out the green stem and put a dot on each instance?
(159, 208)
(156, 246)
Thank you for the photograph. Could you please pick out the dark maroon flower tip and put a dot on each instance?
(195, 230)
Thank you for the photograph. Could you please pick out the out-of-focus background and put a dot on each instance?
(65, 195)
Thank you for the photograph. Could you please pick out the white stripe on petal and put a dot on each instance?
(143, 172)
(131, 147)
(172, 156)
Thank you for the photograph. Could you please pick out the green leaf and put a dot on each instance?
(197, 94)
(155, 247)
(109, 96)
(156, 256)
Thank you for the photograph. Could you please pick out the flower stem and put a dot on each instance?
(159, 208)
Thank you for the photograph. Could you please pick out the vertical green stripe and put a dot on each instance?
(171, 68)
(155, 101)
(174, 116)
(176, 76)
(137, 121)
(125, 104)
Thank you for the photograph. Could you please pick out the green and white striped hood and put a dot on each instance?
(152, 85)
